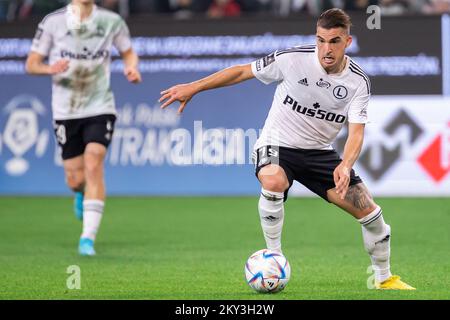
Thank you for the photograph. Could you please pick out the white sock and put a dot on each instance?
(92, 216)
(271, 212)
(376, 235)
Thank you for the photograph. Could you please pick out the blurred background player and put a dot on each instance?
(320, 89)
(77, 40)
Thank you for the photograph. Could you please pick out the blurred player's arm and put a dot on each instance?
(41, 46)
(35, 65)
(184, 92)
(131, 66)
(352, 149)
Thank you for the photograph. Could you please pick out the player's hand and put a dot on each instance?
(132, 74)
(59, 66)
(341, 177)
(182, 93)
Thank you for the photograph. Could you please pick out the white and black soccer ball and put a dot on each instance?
(267, 271)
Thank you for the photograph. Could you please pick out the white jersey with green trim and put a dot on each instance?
(310, 106)
(84, 89)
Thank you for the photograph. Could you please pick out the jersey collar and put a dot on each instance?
(71, 15)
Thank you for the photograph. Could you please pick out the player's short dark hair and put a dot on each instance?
(334, 18)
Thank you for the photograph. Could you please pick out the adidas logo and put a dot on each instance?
(270, 218)
(304, 82)
(384, 239)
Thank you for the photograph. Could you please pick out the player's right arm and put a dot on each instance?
(226, 77)
(35, 65)
(40, 48)
(267, 70)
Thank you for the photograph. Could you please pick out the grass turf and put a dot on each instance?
(195, 248)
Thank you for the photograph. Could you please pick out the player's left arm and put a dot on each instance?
(352, 150)
(122, 42)
(357, 118)
(131, 66)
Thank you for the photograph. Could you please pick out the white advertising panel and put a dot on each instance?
(406, 148)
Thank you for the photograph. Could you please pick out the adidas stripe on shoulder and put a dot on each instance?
(54, 13)
(300, 49)
(357, 70)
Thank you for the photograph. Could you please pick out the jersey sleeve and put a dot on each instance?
(43, 38)
(358, 110)
(121, 39)
(267, 69)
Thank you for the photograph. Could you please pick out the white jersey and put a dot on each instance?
(310, 107)
(84, 89)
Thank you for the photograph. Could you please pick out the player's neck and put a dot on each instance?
(85, 9)
(339, 68)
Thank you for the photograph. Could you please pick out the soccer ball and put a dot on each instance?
(267, 271)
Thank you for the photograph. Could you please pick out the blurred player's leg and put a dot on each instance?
(94, 196)
(74, 171)
(376, 233)
(78, 204)
(271, 207)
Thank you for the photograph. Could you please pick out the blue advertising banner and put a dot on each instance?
(205, 151)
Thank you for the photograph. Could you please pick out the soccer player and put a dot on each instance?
(319, 90)
(77, 40)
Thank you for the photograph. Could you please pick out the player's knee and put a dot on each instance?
(93, 161)
(274, 183)
(93, 167)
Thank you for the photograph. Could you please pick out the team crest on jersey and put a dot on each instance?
(82, 30)
(323, 84)
(340, 92)
(100, 32)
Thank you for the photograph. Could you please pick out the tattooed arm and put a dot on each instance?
(351, 152)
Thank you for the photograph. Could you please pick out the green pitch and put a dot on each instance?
(195, 248)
